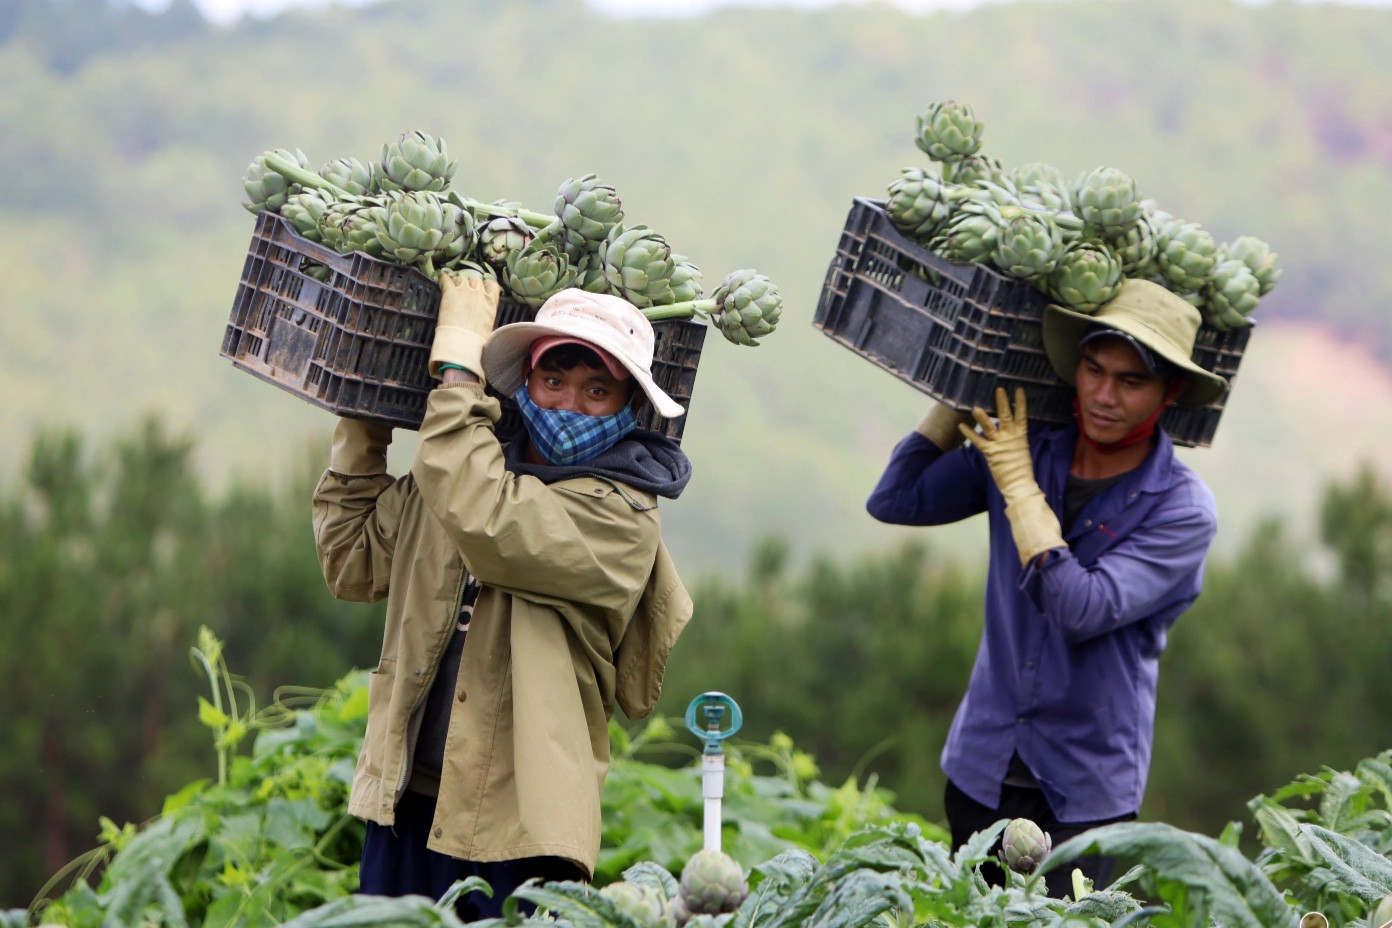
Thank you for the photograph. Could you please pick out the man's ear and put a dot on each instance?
(639, 399)
(1177, 387)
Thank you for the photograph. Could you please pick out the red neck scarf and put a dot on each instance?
(1139, 434)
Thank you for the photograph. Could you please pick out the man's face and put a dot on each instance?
(1116, 392)
(583, 389)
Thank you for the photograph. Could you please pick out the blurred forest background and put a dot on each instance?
(148, 487)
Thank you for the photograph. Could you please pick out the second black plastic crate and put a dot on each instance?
(351, 333)
(957, 331)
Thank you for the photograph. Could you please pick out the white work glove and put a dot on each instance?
(468, 306)
(1005, 446)
(940, 426)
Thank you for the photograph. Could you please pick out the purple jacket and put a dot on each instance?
(1066, 671)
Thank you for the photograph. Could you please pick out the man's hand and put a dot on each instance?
(468, 306)
(939, 425)
(1005, 445)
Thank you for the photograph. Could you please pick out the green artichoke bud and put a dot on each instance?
(685, 280)
(1028, 246)
(1046, 195)
(414, 161)
(677, 911)
(500, 237)
(1258, 256)
(350, 224)
(948, 131)
(421, 226)
(747, 307)
(999, 201)
(638, 265)
(1024, 845)
(350, 175)
(643, 904)
(973, 168)
(587, 210)
(305, 210)
(1087, 275)
(919, 202)
(1106, 198)
(533, 274)
(267, 189)
(1071, 228)
(1185, 256)
(967, 237)
(589, 273)
(463, 268)
(712, 882)
(1039, 172)
(1382, 915)
(1231, 294)
(1136, 245)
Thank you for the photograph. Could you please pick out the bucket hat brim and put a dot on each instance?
(1156, 317)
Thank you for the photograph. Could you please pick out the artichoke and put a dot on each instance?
(638, 265)
(948, 131)
(1136, 246)
(712, 882)
(305, 210)
(266, 188)
(747, 307)
(919, 203)
(533, 274)
(967, 237)
(422, 227)
(973, 168)
(414, 161)
(1231, 294)
(1087, 275)
(1258, 257)
(1382, 915)
(350, 224)
(1185, 256)
(998, 200)
(643, 904)
(1106, 198)
(500, 236)
(587, 210)
(589, 273)
(350, 175)
(1024, 845)
(685, 280)
(1028, 246)
(1038, 172)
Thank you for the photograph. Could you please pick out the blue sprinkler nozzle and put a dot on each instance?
(713, 706)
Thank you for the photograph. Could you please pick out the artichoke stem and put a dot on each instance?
(535, 220)
(305, 178)
(684, 310)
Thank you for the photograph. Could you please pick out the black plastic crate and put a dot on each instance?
(351, 333)
(958, 331)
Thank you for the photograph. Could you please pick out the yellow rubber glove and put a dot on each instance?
(1005, 446)
(468, 306)
(940, 426)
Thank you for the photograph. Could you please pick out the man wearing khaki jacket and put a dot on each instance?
(528, 592)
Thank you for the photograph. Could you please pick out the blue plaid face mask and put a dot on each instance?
(566, 437)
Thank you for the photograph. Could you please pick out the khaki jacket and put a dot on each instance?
(578, 609)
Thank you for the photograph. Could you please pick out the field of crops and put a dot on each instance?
(268, 842)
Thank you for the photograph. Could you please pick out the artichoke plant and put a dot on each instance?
(685, 281)
(1232, 292)
(1039, 172)
(712, 882)
(1088, 274)
(968, 237)
(1024, 845)
(973, 168)
(1136, 246)
(948, 131)
(500, 236)
(305, 210)
(266, 185)
(422, 227)
(642, 903)
(349, 224)
(638, 265)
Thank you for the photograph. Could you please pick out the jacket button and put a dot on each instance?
(463, 695)
(1087, 523)
(439, 831)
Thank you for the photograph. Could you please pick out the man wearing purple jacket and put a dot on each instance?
(1098, 536)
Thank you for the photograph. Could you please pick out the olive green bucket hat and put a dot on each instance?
(1157, 318)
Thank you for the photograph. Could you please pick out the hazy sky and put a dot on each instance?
(227, 11)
